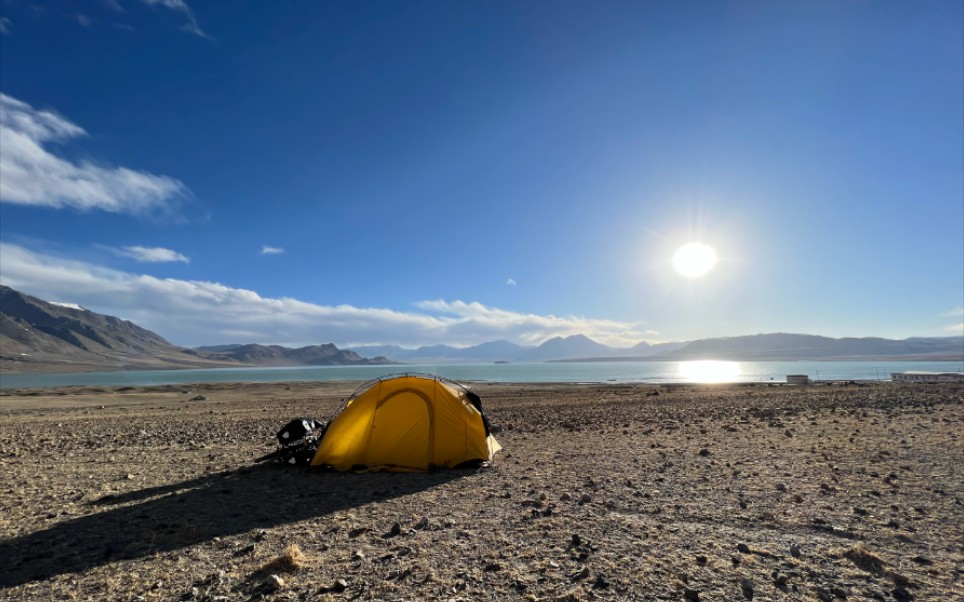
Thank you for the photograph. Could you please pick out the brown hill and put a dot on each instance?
(38, 336)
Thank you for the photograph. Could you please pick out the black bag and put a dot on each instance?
(299, 441)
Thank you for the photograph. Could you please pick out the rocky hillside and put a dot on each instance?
(39, 336)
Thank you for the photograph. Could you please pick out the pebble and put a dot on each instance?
(585, 499)
(339, 585)
(691, 595)
(746, 584)
(274, 582)
(422, 524)
(601, 582)
(742, 548)
(396, 528)
(795, 550)
(578, 575)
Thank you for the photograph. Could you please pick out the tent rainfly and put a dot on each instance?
(407, 423)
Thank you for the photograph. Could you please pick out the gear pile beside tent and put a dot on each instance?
(400, 423)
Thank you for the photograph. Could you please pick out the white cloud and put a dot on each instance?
(191, 312)
(954, 313)
(31, 175)
(956, 328)
(267, 250)
(179, 6)
(510, 282)
(4, 25)
(152, 254)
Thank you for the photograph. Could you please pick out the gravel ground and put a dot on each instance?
(611, 492)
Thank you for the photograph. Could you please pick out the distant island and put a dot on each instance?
(40, 336)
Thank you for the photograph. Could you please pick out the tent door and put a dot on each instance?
(401, 431)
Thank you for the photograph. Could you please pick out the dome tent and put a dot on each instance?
(407, 423)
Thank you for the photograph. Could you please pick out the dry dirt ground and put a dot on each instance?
(602, 492)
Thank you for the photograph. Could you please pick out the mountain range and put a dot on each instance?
(37, 335)
(772, 346)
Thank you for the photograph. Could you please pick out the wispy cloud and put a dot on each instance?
(152, 254)
(468, 318)
(191, 312)
(510, 282)
(179, 6)
(4, 25)
(957, 312)
(30, 174)
(268, 250)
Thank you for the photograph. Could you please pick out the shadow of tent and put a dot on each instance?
(171, 517)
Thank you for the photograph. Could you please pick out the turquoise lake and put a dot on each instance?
(584, 372)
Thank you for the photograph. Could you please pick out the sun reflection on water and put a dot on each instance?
(709, 371)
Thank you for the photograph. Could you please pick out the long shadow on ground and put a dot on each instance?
(171, 517)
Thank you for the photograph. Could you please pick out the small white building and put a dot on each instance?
(798, 379)
(927, 377)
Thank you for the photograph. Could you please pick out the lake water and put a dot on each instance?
(583, 372)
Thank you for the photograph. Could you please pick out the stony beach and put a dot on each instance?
(608, 492)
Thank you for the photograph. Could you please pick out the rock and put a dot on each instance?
(579, 575)
(585, 499)
(339, 585)
(781, 487)
(422, 524)
(704, 452)
(691, 595)
(396, 529)
(742, 548)
(576, 540)
(795, 550)
(565, 497)
(701, 559)
(274, 582)
(601, 582)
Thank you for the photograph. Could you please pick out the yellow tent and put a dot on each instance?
(406, 423)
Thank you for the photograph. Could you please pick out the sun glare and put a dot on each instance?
(709, 371)
(694, 259)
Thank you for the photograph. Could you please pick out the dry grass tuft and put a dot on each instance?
(865, 560)
(290, 561)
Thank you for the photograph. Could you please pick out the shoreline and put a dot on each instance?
(651, 372)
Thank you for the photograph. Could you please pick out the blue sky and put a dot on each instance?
(457, 172)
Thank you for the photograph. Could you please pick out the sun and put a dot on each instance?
(694, 259)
